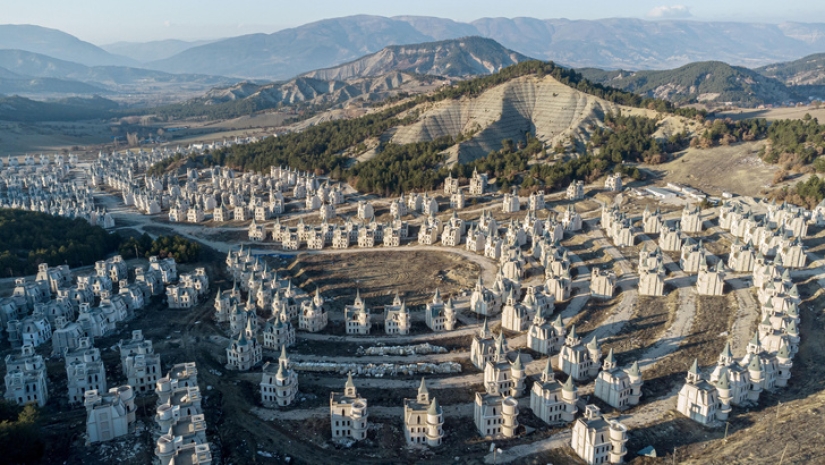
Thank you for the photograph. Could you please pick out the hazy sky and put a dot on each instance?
(106, 21)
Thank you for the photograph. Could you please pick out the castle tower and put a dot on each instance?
(693, 375)
(635, 376)
(609, 362)
(349, 387)
(435, 423)
(595, 355)
(423, 393)
(756, 377)
(618, 439)
(517, 376)
(570, 396)
(784, 362)
(509, 417)
(724, 391)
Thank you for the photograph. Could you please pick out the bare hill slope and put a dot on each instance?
(543, 106)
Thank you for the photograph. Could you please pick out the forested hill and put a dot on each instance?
(417, 158)
(710, 81)
(809, 70)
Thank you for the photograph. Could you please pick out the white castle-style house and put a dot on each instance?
(84, 371)
(619, 388)
(279, 382)
(423, 419)
(552, 401)
(496, 416)
(579, 361)
(26, 380)
(140, 364)
(598, 440)
(109, 415)
(440, 316)
(348, 413)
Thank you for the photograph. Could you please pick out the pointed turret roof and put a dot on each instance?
(726, 352)
(434, 409)
(349, 383)
(694, 369)
(516, 365)
(754, 364)
(723, 382)
(422, 388)
(610, 358)
(568, 385)
(634, 368)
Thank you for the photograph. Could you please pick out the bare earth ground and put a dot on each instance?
(735, 168)
(776, 113)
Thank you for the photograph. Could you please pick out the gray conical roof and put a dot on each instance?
(434, 409)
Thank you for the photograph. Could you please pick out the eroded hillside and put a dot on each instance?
(542, 106)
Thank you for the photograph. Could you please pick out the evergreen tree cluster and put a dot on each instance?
(19, 434)
(30, 238)
(181, 249)
(800, 142)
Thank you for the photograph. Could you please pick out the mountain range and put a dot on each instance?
(714, 82)
(617, 43)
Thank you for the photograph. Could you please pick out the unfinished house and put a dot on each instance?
(598, 440)
(478, 183)
(602, 283)
(571, 219)
(244, 352)
(503, 377)
(670, 239)
(711, 280)
(691, 219)
(84, 370)
(65, 336)
(652, 281)
(167, 267)
(483, 346)
(652, 222)
(579, 361)
(619, 388)
(26, 381)
(279, 331)
(279, 382)
(496, 416)
(575, 191)
(742, 257)
(313, 316)
(545, 337)
(552, 401)
(357, 318)
(510, 202)
(698, 399)
(348, 413)
(692, 256)
(141, 366)
(397, 318)
(109, 414)
(423, 419)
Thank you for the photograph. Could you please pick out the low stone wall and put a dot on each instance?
(378, 370)
(420, 349)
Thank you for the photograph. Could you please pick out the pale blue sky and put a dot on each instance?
(106, 21)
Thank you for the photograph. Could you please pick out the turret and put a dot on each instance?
(609, 362)
(618, 439)
(634, 374)
(509, 417)
(349, 387)
(756, 377)
(726, 357)
(693, 375)
(435, 422)
(784, 362)
(517, 376)
(595, 356)
(423, 393)
(725, 398)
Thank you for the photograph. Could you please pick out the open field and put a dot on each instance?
(735, 168)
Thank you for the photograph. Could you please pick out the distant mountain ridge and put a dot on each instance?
(143, 52)
(57, 44)
(617, 43)
(467, 56)
(711, 81)
(27, 65)
(809, 70)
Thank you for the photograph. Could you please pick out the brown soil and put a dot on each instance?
(651, 317)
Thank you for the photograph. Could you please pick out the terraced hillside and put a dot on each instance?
(542, 106)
